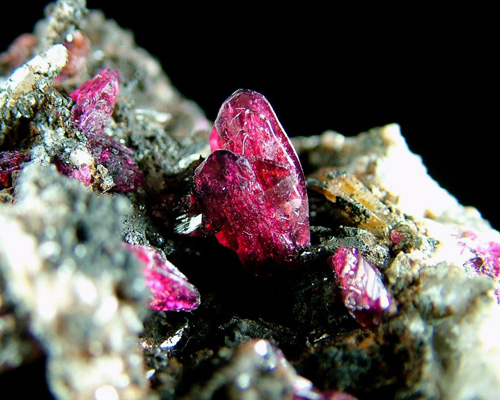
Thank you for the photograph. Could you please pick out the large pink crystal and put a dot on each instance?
(251, 189)
(170, 288)
(363, 292)
(95, 101)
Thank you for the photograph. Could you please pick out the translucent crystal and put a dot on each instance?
(363, 292)
(169, 287)
(95, 102)
(251, 189)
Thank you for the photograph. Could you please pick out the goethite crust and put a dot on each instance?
(251, 189)
(394, 289)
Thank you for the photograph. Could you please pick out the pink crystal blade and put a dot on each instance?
(95, 101)
(363, 292)
(170, 289)
(252, 188)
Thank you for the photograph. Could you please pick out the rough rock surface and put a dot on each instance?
(73, 301)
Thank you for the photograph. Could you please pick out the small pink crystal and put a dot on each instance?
(10, 161)
(480, 255)
(19, 51)
(251, 189)
(78, 52)
(95, 101)
(118, 160)
(170, 288)
(82, 174)
(363, 292)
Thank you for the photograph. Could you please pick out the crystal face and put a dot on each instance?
(95, 102)
(363, 292)
(251, 189)
(169, 287)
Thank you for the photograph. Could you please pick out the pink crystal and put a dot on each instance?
(95, 102)
(82, 174)
(251, 189)
(118, 160)
(10, 161)
(170, 288)
(363, 292)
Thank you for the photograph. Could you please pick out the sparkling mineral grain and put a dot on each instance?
(363, 291)
(251, 189)
(169, 287)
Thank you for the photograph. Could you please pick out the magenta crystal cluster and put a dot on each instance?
(251, 190)
(94, 104)
(170, 289)
(363, 291)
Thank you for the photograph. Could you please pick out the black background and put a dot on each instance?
(325, 67)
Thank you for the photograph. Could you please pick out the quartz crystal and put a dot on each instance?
(251, 189)
(170, 289)
(363, 291)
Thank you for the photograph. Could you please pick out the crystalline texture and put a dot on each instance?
(170, 288)
(363, 292)
(251, 189)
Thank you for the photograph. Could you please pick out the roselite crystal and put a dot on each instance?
(95, 102)
(251, 189)
(169, 287)
(363, 292)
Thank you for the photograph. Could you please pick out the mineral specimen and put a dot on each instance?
(363, 291)
(251, 189)
(170, 289)
(73, 298)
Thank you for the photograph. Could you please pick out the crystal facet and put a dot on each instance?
(363, 292)
(95, 101)
(169, 287)
(251, 189)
